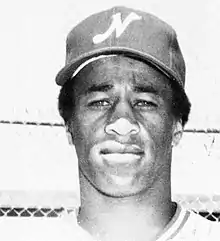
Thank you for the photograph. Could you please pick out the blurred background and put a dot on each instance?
(38, 167)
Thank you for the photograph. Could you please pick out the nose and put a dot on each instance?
(122, 127)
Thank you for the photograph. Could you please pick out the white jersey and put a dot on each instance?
(188, 226)
(184, 226)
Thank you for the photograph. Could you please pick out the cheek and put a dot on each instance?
(87, 131)
(158, 128)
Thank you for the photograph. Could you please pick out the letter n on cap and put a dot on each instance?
(117, 25)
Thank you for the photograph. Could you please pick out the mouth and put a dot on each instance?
(121, 159)
(112, 147)
(115, 154)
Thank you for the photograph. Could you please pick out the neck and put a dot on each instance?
(108, 218)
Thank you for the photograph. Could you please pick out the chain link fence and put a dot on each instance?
(50, 136)
(35, 212)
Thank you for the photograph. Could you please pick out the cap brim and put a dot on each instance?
(67, 72)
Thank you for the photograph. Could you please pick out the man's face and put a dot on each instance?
(122, 125)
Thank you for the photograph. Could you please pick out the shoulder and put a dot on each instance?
(199, 228)
(205, 227)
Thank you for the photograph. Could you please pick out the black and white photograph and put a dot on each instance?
(110, 120)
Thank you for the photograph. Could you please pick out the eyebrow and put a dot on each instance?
(99, 88)
(137, 88)
(141, 88)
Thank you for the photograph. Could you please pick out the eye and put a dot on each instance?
(99, 103)
(145, 104)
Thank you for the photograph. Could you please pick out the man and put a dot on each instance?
(124, 107)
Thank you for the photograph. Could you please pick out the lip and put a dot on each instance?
(113, 147)
(121, 159)
(121, 164)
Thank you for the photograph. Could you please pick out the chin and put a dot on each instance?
(120, 193)
(119, 187)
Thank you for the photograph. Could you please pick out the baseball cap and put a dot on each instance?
(124, 31)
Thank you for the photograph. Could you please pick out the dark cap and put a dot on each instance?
(125, 31)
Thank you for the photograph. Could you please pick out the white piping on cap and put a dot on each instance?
(89, 61)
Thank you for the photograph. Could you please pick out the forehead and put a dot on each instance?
(119, 70)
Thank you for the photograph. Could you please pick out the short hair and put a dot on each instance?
(180, 103)
(66, 101)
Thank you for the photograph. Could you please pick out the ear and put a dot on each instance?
(177, 133)
(69, 136)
